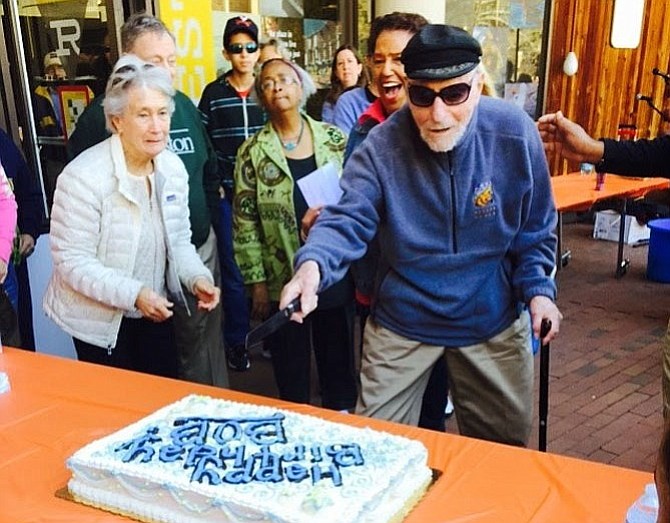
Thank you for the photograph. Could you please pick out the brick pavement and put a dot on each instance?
(605, 376)
(605, 389)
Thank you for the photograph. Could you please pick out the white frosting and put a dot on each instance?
(380, 475)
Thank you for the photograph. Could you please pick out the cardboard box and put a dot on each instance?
(607, 228)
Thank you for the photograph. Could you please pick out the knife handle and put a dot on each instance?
(292, 307)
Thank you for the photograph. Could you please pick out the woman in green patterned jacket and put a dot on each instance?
(267, 212)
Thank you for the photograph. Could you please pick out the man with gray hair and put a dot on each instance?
(197, 333)
(456, 185)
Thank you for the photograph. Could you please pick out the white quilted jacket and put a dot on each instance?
(95, 227)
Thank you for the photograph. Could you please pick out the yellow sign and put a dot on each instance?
(191, 23)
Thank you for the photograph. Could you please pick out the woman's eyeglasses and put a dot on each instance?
(454, 94)
(251, 47)
(281, 80)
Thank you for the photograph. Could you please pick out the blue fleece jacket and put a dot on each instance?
(464, 235)
(350, 106)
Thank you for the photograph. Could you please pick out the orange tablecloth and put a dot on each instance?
(57, 405)
(574, 192)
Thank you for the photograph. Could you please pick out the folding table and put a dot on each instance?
(57, 405)
(577, 192)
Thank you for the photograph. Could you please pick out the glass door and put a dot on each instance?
(59, 55)
(513, 38)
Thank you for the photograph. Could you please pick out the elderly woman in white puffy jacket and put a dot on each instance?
(120, 233)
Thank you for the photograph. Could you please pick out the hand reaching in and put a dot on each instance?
(561, 135)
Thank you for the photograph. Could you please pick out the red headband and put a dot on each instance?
(290, 64)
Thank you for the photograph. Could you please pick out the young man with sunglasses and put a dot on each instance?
(231, 116)
(457, 188)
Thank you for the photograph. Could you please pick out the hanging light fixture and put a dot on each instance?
(570, 64)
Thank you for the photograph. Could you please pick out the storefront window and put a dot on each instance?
(307, 32)
(69, 47)
(510, 32)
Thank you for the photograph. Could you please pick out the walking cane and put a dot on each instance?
(544, 385)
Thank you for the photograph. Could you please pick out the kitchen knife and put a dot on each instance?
(274, 322)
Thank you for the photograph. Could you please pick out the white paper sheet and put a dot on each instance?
(322, 186)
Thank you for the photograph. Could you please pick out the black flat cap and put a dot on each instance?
(440, 52)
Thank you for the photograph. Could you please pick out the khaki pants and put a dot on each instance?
(201, 356)
(491, 383)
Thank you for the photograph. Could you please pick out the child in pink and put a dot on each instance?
(7, 222)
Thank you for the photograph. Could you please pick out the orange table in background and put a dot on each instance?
(575, 192)
(57, 405)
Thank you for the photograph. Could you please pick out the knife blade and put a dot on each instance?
(273, 323)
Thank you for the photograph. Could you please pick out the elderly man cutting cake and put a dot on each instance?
(457, 188)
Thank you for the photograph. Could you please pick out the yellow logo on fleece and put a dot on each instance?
(483, 194)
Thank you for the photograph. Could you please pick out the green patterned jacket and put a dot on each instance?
(265, 227)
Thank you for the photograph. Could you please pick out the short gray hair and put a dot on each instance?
(129, 71)
(139, 24)
(306, 82)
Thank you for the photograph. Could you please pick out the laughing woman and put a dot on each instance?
(120, 233)
(267, 211)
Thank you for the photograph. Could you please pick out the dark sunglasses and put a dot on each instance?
(454, 94)
(251, 47)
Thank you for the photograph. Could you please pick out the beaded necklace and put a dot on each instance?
(291, 145)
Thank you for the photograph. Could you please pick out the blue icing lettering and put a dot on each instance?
(216, 451)
(315, 450)
(170, 453)
(201, 474)
(268, 466)
(266, 431)
(191, 431)
(199, 452)
(326, 471)
(236, 476)
(199, 457)
(297, 454)
(296, 473)
(345, 455)
(265, 456)
(260, 431)
(270, 473)
(236, 453)
(227, 430)
(243, 474)
(140, 447)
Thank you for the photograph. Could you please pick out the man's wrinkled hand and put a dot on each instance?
(305, 283)
(543, 308)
